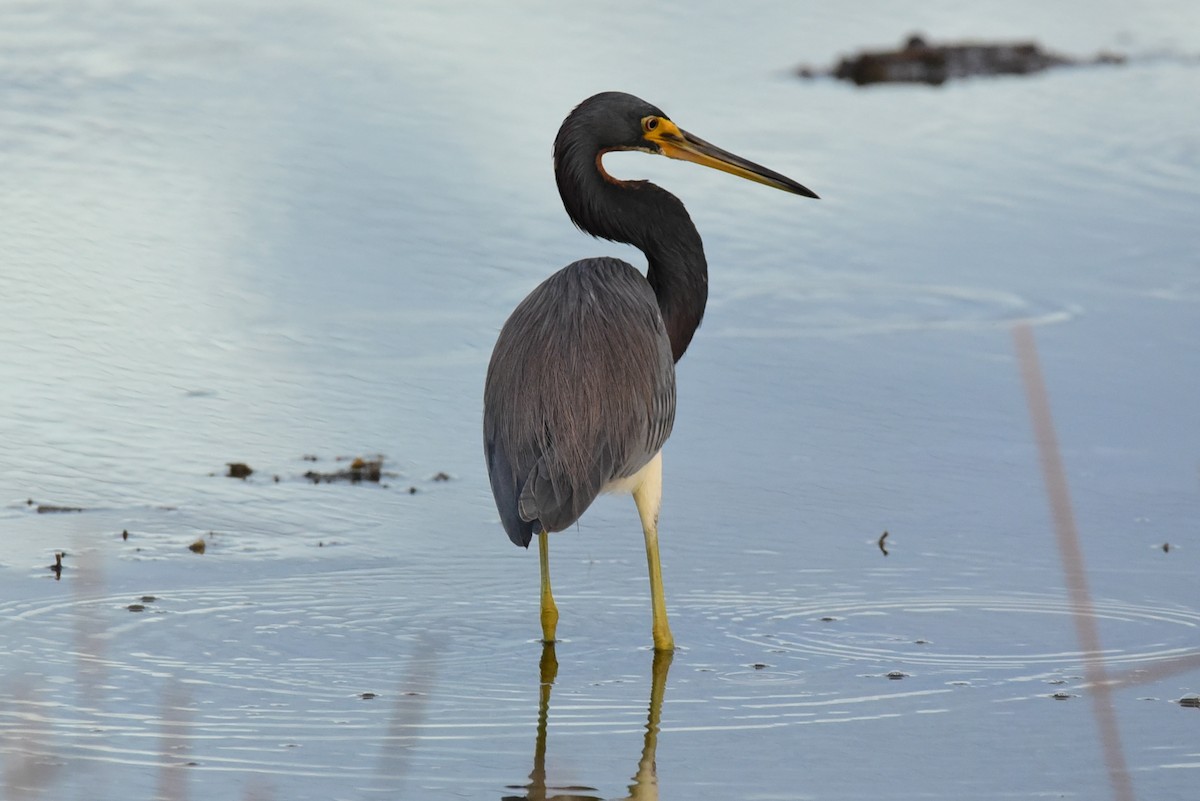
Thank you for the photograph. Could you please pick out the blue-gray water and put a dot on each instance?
(250, 232)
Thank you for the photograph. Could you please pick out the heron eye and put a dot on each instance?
(649, 124)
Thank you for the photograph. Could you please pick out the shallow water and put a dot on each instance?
(249, 233)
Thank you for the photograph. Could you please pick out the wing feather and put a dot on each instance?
(580, 391)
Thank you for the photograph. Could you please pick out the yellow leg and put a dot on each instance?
(663, 641)
(648, 497)
(549, 610)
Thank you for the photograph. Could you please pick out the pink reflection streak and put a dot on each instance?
(1071, 553)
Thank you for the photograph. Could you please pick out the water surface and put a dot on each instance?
(255, 233)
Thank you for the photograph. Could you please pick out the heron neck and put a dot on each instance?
(678, 274)
(653, 220)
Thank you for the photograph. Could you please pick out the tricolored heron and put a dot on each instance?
(580, 392)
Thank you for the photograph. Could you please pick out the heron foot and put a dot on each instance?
(549, 619)
(663, 641)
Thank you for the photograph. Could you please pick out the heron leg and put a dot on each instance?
(648, 497)
(549, 609)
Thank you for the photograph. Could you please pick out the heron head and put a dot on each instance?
(620, 121)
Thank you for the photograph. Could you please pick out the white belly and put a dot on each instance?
(650, 472)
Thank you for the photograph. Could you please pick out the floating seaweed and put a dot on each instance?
(359, 470)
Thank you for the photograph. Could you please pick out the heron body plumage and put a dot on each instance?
(580, 390)
(586, 356)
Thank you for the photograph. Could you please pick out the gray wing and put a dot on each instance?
(580, 390)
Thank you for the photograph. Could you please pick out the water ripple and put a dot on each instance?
(993, 633)
(845, 307)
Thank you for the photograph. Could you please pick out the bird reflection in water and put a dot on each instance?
(645, 780)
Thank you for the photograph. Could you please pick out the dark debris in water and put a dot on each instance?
(1063, 696)
(919, 61)
(896, 675)
(49, 508)
(239, 470)
(359, 470)
(1190, 701)
(348, 469)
